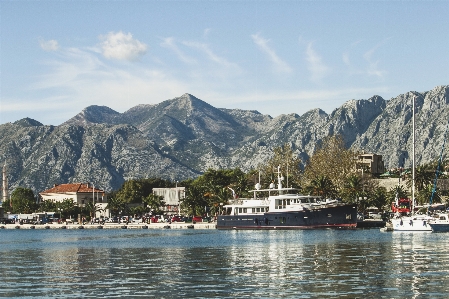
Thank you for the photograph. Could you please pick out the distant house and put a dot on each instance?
(371, 163)
(79, 193)
(172, 197)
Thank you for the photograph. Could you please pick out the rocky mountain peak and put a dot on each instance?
(182, 137)
(28, 122)
(93, 115)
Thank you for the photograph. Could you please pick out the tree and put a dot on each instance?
(23, 201)
(352, 188)
(423, 196)
(397, 191)
(47, 206)
(131, 192)
(214, 188)
(194, 201)
(322, 186)
(116, 205)
(289, 165)
(154, 202)
(331, 159)
(379, 198)
(424, 177)
(66, 207)
(90, 209)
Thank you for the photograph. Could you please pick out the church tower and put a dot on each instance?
(5, 184)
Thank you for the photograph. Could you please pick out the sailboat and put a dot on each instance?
(414, 222)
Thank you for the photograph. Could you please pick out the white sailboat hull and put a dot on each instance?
(412, 224)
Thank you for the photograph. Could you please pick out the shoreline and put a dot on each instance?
(175, 225)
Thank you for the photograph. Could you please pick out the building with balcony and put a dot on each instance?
(371, 163)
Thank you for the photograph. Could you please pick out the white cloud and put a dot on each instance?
(49, 45)
(122, 46)
(373, 68)
(206, 32)
(315, 64)
(84, 79)
(209, 53)
(279, 65)
(170, 43)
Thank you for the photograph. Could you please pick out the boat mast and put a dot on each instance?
(413, 155)
(434, 189)
(280, 179)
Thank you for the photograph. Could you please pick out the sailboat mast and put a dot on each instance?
(413, 155)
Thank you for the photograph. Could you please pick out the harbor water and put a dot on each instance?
(180, 263)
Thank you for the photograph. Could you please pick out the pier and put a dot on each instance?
(161, 225)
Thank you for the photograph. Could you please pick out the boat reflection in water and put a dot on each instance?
(286, 209)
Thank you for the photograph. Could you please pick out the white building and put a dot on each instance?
(172, 197)
(80, 194)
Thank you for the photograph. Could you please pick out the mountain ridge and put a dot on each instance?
(180, 138)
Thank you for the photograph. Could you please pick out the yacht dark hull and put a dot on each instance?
(330, 217)
(439, 227)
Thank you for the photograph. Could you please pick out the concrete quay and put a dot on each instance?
(174, 225)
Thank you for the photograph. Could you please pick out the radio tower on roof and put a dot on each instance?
(5, 184)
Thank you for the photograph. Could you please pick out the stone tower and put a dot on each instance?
(5, 184)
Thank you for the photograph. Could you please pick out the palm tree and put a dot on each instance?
(423, 177)
(353, 187)
(397, 191)
(379, 198)
(425, 194)
(322, 186)
(194, 200)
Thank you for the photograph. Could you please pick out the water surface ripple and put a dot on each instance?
(223, 264)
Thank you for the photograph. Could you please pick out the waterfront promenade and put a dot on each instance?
(173, 225)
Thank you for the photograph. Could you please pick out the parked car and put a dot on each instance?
(137, 220)
(186, 219)
(176, 219)
(197, 219)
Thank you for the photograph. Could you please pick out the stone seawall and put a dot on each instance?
(175, 225)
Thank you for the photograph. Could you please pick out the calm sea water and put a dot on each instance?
(223, 264)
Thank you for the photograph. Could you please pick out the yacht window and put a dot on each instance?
(244, 210)
(240, 210)
(258, 209)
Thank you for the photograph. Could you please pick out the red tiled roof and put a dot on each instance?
(76, 187)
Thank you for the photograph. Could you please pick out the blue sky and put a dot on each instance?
(277, 57)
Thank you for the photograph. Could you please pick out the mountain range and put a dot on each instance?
(182, 137)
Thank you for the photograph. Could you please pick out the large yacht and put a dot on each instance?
(285, 208)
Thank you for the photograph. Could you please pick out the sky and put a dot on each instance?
(276, 57)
